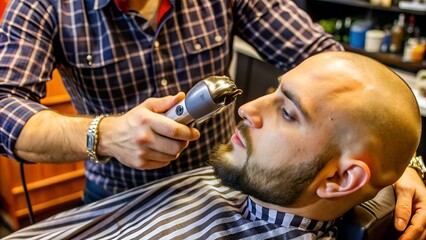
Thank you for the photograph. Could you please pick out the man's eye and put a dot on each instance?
(287, 116)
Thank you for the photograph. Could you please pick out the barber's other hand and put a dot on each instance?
(410, 201)
(144, 138)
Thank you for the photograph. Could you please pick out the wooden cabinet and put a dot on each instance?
(52, 187)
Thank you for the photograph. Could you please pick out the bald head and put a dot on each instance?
(374, 113)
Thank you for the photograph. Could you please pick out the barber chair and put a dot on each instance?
(370, 220)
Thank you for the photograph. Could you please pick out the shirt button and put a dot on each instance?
(197, 46)
(163, 82)
(156, 44)
(89, 59)
(218, 38)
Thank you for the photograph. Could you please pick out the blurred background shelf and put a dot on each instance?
(367, 5)
(379, 15)
(390, 59)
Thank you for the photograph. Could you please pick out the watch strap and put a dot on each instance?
(418, 164)
(92, 141)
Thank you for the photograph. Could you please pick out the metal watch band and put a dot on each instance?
(418, 164)
(92, 141)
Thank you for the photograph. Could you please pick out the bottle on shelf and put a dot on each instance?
(338, 30)
(397, 35)
(342, 28)
(410, 44)
(386, 40)
(346, 29)
(414, 49)
(419, 50)
(412, 31)
(414, 45)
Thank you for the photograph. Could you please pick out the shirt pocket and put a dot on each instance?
(96, 59)
(209, 30)
(210, 40)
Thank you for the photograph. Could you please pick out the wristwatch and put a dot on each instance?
(418, 164)
(92, 141)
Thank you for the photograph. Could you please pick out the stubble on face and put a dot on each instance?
(224, 169)
(282, 186)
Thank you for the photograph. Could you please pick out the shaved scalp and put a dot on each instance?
(379, 113)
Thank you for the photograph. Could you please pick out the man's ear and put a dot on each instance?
(349, 177)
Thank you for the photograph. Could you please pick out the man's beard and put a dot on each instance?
(282, 186)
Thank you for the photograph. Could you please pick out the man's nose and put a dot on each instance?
(251, 112)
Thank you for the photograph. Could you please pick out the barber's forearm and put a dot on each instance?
(50, 137)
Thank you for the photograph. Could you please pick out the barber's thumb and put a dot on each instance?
(177, 98)
(402, 213)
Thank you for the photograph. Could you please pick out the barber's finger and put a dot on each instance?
(147, 159)
(154, 165)
(402, 209)
(169, 128)
(416, 230)
(149, 165)
(150, 154)
(157, 142)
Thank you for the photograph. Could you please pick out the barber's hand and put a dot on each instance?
(144, 138)
(410, 201)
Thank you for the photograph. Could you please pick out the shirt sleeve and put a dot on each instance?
(282, 33)
(26, 63)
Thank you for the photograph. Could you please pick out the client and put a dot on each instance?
(339, 128)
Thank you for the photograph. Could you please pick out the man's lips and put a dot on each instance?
(237, 139)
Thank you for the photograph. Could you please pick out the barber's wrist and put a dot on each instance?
(418, 164)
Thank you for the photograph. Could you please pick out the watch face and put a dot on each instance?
(90, 142)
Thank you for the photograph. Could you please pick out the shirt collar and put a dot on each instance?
(287, 220)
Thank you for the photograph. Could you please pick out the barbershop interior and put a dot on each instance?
(392, 32)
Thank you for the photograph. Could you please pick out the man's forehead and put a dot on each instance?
(322, 92)
(329, 78)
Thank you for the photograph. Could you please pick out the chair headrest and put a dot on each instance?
(372, 219)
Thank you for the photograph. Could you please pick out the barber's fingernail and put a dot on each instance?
(400, 223)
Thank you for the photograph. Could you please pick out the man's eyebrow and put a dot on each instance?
(296, 101)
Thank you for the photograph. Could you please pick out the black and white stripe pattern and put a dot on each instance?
(192, 205)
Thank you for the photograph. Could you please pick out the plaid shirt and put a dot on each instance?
(111, 61)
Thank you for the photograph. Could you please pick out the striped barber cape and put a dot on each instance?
(191, 205)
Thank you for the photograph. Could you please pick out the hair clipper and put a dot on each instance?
(206, 98)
